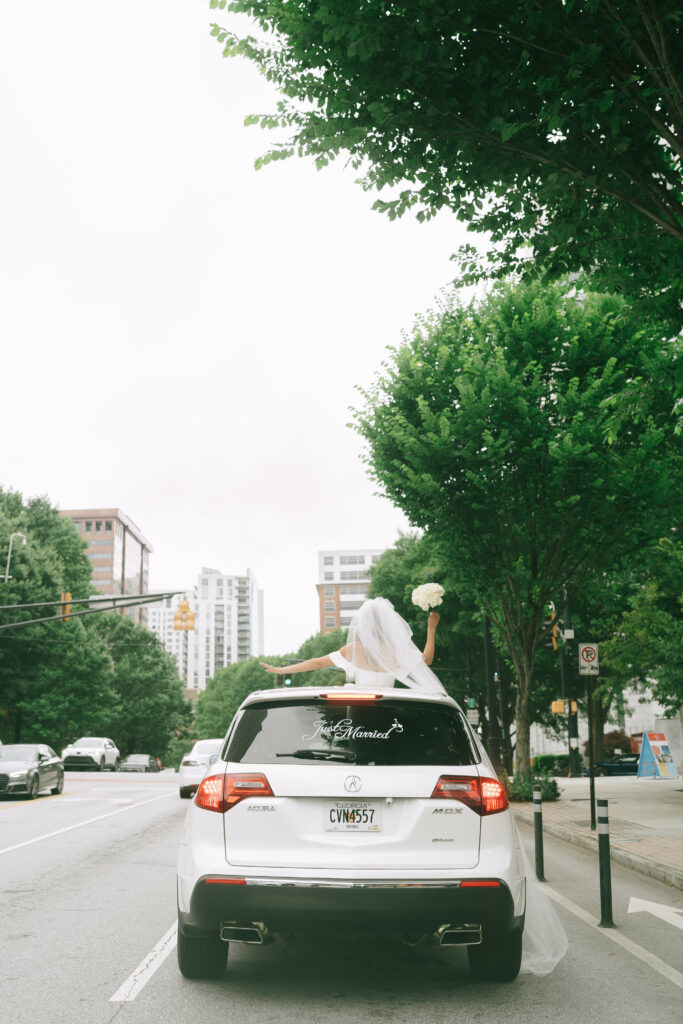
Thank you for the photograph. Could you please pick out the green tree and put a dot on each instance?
(646, 646)
(150, 707)
(554, 128)
(494, 429)
(52, 561)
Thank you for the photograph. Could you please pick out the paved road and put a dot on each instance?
(87, 909)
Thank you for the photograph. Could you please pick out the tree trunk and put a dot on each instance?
(599, 718)
(522, 746)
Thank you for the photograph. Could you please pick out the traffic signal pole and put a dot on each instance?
(491, 698)
(568, 671)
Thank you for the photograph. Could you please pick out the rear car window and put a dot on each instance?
(390, 732)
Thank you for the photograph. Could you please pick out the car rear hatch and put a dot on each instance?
(355, 786)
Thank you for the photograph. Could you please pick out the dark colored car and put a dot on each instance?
(139, 763)
(29, 767)
(623, 764)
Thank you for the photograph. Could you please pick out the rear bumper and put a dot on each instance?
(313, 905)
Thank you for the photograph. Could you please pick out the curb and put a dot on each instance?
(670, 876)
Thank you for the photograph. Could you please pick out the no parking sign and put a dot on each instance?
(588, 659)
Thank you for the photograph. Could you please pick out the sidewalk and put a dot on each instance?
(645, 822)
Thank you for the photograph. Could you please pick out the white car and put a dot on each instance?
(336, 810)
(194, 765)
(97, 752)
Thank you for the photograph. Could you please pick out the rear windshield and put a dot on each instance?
(390, 732)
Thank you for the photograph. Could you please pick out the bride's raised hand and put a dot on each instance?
(433, 620)
(274, 669)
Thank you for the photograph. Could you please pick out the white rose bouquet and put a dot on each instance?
(429, 595)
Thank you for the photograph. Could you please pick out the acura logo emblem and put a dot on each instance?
(352, 784)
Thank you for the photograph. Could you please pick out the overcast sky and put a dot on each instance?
(181, 334)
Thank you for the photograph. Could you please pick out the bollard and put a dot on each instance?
(605, 868)
(538, 833)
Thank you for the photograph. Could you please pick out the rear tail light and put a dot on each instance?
(221, 792)
(485, 796)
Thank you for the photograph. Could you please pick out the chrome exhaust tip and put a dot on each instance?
(254, 933)
(458, 935)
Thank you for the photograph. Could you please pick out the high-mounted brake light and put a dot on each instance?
(352, 698)
(485, 796)
(221, 792)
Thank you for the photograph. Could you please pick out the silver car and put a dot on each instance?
(194, 765)
(28, 768)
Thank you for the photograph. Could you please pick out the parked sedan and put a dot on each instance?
(28, 768)
(623, 764)
(139, 763)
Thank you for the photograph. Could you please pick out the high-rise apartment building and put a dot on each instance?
(119, 553)
(343, 583)
(228, 613)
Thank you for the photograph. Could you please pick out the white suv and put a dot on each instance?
(335, 810)
(96, 752)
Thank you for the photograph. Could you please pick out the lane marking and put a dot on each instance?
(136, 981)
(609, 933)
(80, 824)
(669, 914)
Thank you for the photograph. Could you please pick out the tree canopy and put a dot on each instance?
(100, 674)
(505, 430)
(555, 128)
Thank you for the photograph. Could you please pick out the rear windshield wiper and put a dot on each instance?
(317, 754)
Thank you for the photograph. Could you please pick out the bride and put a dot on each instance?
(379, 651)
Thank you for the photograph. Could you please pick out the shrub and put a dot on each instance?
(521, 787)
(551, 764)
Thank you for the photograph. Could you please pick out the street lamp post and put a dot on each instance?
(9, 553)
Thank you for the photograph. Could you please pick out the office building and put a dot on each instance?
(119, 553)
(343, 584)
(228, 618)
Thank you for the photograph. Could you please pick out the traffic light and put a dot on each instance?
(551, 632)
(288, 681)
(178, 620)
(561, 707)
(66, 605)
(189, 620)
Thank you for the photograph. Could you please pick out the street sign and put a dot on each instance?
(472, 716)
(588, 659)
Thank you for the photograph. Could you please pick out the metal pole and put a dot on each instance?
(591, 749)
(538, 833)
(491, 699)
(569, 688)
(605, 868)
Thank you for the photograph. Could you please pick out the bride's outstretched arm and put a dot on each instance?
(432, 623)
(300, 666)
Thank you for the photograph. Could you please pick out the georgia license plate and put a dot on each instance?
(352, 816)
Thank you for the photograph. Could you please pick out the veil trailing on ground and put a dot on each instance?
(380, 641)
(544, 941)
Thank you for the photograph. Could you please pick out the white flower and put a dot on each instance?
(429, 595)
